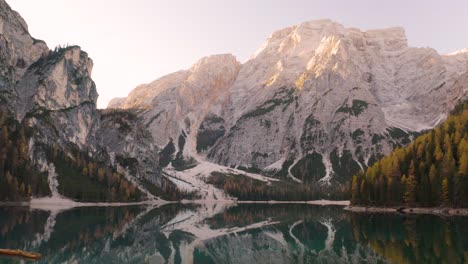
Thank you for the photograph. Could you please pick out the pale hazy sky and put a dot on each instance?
(137, 41)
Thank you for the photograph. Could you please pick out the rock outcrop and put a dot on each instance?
(130, 145)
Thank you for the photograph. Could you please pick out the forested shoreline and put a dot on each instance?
(80, 177)
(432, 171)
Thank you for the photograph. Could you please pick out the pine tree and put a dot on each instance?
(22, 189)
(91, 169)
(435, 184)
(458, 136)
(393, 191)
(409, 196)
(438, 154)
(363, 192)
(445, 192)
(56, 151)
(14, 159)
(448, 164)
(411, 170)
(459, 189)
(383, 190)
(23, 146)
(3, 118)
(462, 150)
(424, 187)
(463, 167)
(101, 174)
(420, 151)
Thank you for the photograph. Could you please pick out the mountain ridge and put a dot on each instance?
(316, 103)
(317, 93)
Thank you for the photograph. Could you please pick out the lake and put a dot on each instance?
(227, 233)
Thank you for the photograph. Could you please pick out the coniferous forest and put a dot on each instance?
(431, 171)
(19, 180)
(80, 177)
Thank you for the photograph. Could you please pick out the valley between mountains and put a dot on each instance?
(316, 104)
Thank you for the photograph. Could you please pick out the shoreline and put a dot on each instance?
(313, 202)
(59, 204)
(448, 211)
(62, 204)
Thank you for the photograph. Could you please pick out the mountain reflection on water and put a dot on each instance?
(228, 233)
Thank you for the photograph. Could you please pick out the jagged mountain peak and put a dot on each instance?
(214, 61)
(306, 37)
(142, 95)
(215, 70)
(316, 101)
(295, 56)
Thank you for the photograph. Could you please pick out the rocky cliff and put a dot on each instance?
(52, 94)
(315, 103)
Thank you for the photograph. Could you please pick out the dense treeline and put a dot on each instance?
(168, 190)
(83, 179)
(246, 188)
(413, 239)
(431, 171)
(19, 180)
(79, 176)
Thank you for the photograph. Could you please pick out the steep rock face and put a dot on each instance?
(58, 81)
(57, 95)
(53, 94)
(18, 49)
(175, 106)
(335, 98)
(316, 102)
(129, 144)
(54, 87)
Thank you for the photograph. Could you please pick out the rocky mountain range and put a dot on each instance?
(316, 102)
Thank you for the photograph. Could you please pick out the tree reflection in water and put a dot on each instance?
(414, 238)
(227, 233)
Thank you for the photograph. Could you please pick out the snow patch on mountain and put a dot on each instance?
(194, 179)
(318, 98)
